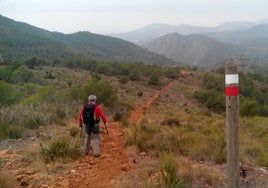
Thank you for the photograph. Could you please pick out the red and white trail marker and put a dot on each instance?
(231, 85)
(232, 126)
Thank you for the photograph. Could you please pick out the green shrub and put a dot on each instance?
(8, 95)
(7, 72)
(213, 82)
(46, 94)
(10, 131)
(212, 99)
(22, 74)
(59, 148)
(171, 72)
(33, 121)
(75, 92)
(264, 111)
(104, 91)
(154, 78)
(96, 76)
(249, 108)
(29, 89)
(123, 79)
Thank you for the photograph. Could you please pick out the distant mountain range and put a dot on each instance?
(204, 46)
(150, 32)
(21, 41)
(162, 44)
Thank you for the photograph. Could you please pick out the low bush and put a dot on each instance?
(59, 148)
(103, 90)
(10, 131)
(170, 175)
(123, 79)
(212, 99)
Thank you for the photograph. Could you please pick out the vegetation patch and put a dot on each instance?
(59, 148)
(10, 131)
(254, 135)
(174, 173)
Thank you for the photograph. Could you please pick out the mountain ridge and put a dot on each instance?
(138, 36)
(23, 41)
(195, 50)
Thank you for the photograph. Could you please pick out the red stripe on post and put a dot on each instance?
(231, 90)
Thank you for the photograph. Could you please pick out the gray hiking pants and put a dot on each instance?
(96, 138)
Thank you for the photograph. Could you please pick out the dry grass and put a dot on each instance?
(196, 135)
(6, 181)
(254, 136)
(209, 175)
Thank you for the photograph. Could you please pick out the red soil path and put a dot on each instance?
(136, 115)
(100, 172)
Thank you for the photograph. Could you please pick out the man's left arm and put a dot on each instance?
(100, 114)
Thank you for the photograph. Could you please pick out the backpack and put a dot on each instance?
(88, 115)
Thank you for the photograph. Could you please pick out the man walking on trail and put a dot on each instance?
(89, 116)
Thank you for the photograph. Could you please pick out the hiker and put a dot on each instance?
(89, 116)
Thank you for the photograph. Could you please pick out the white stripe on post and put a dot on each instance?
(231, 79)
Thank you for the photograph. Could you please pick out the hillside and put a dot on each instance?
(194, 50)
(254, 40)
(157, 130)
(23, 41)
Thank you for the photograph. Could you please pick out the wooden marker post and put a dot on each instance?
(232, 125)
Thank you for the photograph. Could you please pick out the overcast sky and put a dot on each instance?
(115, 16)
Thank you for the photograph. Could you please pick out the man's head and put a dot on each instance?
(92, 98)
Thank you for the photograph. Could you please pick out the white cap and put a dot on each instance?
(92, 98)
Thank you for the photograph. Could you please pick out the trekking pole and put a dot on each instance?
(107, 132)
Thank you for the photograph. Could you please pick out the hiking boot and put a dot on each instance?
(96, 155)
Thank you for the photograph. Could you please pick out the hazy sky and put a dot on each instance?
(115, 16)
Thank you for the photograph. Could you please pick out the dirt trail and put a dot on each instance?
(99, 172)
(136, 115)
(114, 161)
